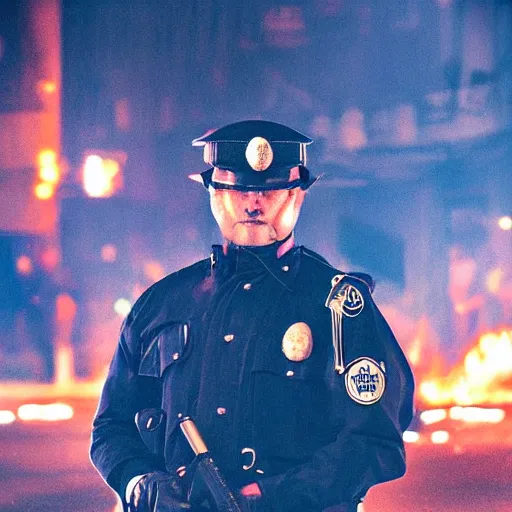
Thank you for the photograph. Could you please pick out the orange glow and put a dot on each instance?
(494, 279)
(99, 176)
(24, 265)
(65, 308)
(483, 377)
(48, 412)
(109, 253)
(46, 158)
(50, 258)
(64, 365)
(153, 271)
(44, 191)
(47, 86)
(49, 174)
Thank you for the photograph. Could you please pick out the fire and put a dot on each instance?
(484, 376)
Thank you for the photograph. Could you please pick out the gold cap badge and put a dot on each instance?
(259, 154)
(298, 342)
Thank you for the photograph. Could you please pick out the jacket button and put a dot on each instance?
(175, 356)
(221, 411)
(290, 373)
(229, 337)
(286, 268)
(247, 286)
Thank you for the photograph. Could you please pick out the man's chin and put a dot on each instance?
(253, 234)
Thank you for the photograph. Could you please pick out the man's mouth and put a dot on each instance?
(252, 221)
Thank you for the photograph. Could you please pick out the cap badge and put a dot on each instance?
(259, 154)
(365, 381)
(298, 342)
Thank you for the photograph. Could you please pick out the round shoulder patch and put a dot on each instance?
(365, 381)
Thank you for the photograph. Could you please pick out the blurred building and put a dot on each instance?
(409, 104)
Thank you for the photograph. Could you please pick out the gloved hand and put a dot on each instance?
(158, 492)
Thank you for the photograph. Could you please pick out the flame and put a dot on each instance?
(484, 376)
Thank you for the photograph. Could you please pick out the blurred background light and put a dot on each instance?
(44, 191)
(7, 417)
(122, 307)
(433, 416)
(109, 253)
(48, 412)
(440, 437)
(505, 223)
(24, 265)
(410, 436)
(477, 414)
(99, 176)
(47, 86)
(47, 158)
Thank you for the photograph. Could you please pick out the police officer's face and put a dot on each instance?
(256, 218)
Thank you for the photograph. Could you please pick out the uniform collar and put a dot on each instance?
(229, 259)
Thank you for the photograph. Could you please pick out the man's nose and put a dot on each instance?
(253, 200)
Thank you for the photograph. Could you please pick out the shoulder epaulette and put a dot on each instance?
(366, 278)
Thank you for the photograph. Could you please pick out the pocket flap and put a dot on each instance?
(280, 365)
(167, 347)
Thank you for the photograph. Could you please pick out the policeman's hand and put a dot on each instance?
(158, 492)
(198, 495)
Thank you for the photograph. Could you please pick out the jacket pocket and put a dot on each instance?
(166, 348)
(290, 403)
(151, 425)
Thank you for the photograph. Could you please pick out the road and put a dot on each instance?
(44, 466)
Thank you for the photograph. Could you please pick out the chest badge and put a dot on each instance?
(298, 342)
(365, 381)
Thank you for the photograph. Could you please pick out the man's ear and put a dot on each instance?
(298, 194)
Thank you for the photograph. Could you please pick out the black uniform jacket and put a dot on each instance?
(210, 341)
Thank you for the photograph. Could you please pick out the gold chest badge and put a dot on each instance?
(259, 154)
(298, 342)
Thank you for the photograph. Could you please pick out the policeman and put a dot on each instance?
(289, 370)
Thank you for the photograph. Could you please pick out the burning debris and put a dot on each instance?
(483, 377)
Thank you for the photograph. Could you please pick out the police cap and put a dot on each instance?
(255, 155)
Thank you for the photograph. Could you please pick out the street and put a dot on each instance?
(45, 467)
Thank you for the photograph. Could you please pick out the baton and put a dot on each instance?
(221, 495)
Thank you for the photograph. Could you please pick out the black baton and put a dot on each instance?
(221, 494)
